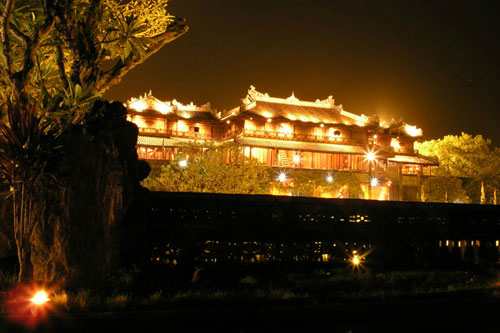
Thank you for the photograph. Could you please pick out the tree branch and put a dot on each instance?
(5, 18)
(115, 74)
(60, 66)
(23, 76)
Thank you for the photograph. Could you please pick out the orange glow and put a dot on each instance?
(395, 144)
(181, 126)
(162, 107)
(138, 105)
(355, 260)
(285, 128)
(40, 298)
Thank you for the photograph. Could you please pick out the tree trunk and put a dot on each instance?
(67, 224)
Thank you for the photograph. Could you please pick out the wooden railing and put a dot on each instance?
(177, 134)
(294, 136)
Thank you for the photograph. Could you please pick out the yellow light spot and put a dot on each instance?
(40, 298)
(355, 260)
(282, 177)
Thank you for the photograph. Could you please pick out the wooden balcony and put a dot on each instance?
(293, 136)
(176, 134)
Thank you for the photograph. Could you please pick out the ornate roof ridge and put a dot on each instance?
(254, 95)
(150, 102)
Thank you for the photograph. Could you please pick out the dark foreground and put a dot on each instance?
(467, 314)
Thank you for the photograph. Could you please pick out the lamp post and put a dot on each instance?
(370, 157)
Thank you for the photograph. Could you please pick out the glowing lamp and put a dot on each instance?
(374, 181)
(183, 163)
(40, 298)
(296, 159)
(329, 178)
(370, 156)
(355, 260)
(282, 177)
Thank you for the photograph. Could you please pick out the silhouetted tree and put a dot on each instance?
(57, 57)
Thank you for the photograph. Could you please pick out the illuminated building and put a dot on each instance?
(287, 133)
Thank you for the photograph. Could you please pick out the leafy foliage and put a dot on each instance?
(315, 184)
(59, 56)
(468, 157)
(211, 168)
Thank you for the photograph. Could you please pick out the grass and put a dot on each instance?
(263, 285)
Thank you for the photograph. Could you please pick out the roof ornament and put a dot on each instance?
(254, 94)
(292, 98)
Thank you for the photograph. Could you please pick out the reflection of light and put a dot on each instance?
(374, 181)
(329, 178)
(40, 298)
(282, 177)
(183, 163)
(370, 156)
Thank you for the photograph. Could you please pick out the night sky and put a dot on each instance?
(432, 63)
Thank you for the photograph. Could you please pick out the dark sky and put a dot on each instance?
(435, 63)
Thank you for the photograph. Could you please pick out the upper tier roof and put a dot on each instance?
(148, 104)
(291, 108)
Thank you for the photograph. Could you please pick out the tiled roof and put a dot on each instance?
(299, 112)
(409, 159)
(297, 145)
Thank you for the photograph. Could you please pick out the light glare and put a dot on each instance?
(40, 298)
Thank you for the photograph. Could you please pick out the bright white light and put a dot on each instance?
(296, 159)
(370, 156)
(183, 163)
(329, 178)
(282, 177)
(40, 298)
(374, 181)
(355, 260)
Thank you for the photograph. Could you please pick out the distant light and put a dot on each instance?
(355, 260)
(228, 122)
(322, 125)
(269, 120)
(183, 163)
(282, 177)
(296, 159)
(40, 298)
(374, 181)
(374, 136)
(370, 156)
(329, 178)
